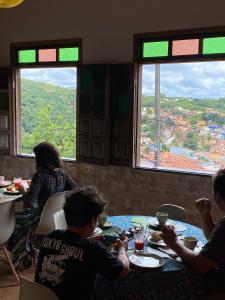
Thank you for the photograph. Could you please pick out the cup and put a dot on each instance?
(162, 217)
(2, 178)
(17, 182)
(190, 242)
(139, 240)
(102, 219)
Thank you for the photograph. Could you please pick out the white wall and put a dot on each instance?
(106, 27)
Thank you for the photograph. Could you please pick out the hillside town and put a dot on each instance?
(188, 139)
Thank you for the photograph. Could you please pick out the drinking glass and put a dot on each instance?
(17, 182)
(139, 240)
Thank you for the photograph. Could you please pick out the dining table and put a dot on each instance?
(172, 280)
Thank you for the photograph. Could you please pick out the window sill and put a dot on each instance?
(164, 170)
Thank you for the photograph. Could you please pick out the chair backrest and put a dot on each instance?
(175, 212)
(7, 220)
(53, 204)
(35, 291)
(59, 220)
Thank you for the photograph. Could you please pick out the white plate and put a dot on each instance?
(5, 184)
(147, 260)
(12, 193)
(97, 231)
(178, 226)
(106, 225)
(158, 243)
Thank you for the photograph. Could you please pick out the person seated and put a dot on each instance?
(49, 179)
(210, 261)
(68, 260)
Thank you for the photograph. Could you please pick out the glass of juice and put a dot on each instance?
(17, 182)
(139, 240)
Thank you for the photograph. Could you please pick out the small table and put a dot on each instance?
(172, 281)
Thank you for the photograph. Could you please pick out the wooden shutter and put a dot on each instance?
(122, 94)
(93, 114)
(4, 111)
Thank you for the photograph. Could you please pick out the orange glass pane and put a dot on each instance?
(46, 55)
(185, 47)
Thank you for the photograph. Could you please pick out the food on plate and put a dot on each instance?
(11, 189)
(156, 236)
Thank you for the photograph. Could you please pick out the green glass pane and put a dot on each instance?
(155, 49)
(68, 54)
(213, 45)
(26, 56)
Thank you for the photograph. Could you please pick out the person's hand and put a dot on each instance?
(22, 189)
(169, 235)
(122, 243)
(203, 205)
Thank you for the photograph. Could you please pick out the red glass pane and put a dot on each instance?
(185, 47)
(46, 55)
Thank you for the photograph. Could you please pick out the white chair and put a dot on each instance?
(175, 212)
(7, 224)
(35, 291)
(59, 220)
(53, 205)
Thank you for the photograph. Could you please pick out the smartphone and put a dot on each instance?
(110, 238)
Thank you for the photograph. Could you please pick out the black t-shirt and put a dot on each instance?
(214, 249)
(68, 264)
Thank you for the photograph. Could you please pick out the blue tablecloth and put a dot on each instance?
(172, 281)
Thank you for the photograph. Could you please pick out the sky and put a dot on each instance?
(65, 77)
(190, 80)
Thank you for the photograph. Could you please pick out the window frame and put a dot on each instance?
(138, 40)
(15, 107)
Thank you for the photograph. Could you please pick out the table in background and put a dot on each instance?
(172, 281)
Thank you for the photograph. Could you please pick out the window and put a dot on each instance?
(46, 88)
(181, 117)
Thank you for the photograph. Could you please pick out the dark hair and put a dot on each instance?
(47, 156)
(82, 205)
(218, 183)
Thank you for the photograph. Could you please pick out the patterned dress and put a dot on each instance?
(43, 185)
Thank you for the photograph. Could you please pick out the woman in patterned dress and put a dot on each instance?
(49, 179)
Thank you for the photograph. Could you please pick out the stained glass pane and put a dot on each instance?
(68, 54)
(213, 45)
(185, 47)
(155, 49)
(46, 55)
(26, 56)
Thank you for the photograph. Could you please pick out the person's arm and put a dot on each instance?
(122, 256)
(30, 197)
(70, 183)
(203, 206)
(196, 261)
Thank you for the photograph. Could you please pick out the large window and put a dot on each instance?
(46, 88)
(181, 123)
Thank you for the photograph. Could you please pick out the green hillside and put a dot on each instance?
(48, 112)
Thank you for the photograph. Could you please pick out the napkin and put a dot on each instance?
(169, 252)
(157, 252)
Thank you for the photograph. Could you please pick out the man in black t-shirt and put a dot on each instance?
(68, 261)
(210, 262)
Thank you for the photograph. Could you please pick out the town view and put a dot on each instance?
(191, 129)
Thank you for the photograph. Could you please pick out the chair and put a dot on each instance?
(46, 224)
(35, 291)
(59, 220)
(175, 212)
(53, 205)
(7, 224)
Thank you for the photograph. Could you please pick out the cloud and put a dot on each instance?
(65, 77)
(191, 80)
